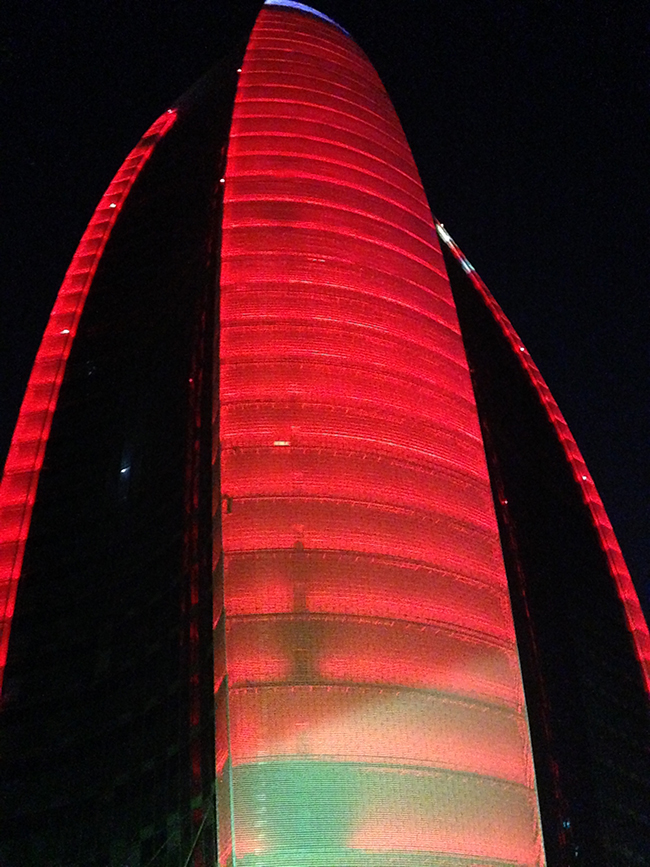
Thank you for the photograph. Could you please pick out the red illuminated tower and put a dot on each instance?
(334, 493)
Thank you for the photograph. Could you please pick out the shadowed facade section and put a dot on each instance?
(107, 724)
(580, 630)
(25, 458)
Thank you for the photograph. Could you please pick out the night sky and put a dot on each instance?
(528, 121)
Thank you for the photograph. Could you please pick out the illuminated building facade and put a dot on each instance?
(293, 511)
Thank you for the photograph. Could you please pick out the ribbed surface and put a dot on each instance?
(374, 697)
(25, 458)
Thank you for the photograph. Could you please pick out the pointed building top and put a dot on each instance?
(302, 7)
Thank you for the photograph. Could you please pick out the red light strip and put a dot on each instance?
(618, 568)
(25, 458)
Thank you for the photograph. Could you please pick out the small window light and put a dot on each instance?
(66, 331)
(584, 478)
(112, 205)
(124, 470)
(522, 349)
(239, 70)
(281, 443)
(222, 180)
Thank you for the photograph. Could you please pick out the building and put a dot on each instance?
(280, 447)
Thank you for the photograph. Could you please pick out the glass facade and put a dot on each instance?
(309, 574)
(374, 702)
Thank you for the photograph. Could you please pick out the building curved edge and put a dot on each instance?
(627, 593)
(355, 496)
(25, 458)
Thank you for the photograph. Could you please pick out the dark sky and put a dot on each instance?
(528, 120)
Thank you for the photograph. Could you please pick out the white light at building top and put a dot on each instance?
(302, 7)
